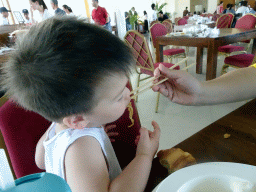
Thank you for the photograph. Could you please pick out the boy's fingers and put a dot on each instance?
(157, 130)
(112, 134)
(109, 127)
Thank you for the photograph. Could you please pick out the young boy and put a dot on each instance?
(75, 74)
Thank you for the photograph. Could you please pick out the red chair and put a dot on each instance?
(21, 130)
(143, 57)
(215, 17)
(248, 21)
(186, 17)
(168, 26)
(182, 21)
(159, 30)
(209, 15)
(154, 22)
(231, 18)
(238, 61)
(223, 21)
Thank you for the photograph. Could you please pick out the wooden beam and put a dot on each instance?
(87, 9)
(9, 8)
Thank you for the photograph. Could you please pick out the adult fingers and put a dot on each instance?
(112, 134)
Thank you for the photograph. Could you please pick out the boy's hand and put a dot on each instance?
(148, 141)
(110, 132)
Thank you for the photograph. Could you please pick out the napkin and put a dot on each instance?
(6, 177)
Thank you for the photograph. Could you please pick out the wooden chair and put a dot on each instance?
(168, 20)
(223, 21)
(182, 21)
(154, 22)
(168, 26)
(143, 57)
(231, 19)
(215, 17)
(160, 30)
(238, 61)
(248, 21)
(209, 15)
(176, 20)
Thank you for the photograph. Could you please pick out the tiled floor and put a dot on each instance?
(179, 122)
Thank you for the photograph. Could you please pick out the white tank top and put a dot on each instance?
(56, 146)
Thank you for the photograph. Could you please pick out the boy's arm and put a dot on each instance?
(39, 156)
(86, 169)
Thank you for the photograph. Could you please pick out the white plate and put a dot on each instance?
(211, 177)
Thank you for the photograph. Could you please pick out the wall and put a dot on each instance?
(180, 6)
(193, 3)
(212, 5)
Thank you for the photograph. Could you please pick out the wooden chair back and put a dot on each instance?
(139, 46)
(153, 22)
(156, 30)
(223, 21)
(182, 21)
(168, 26)
(231, 18)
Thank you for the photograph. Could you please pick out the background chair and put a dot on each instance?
(215, 17)
(168, 20)
(186, 17)
(159, 30)
(238, 61)
(231, 19)
(143, 57)
(21, 130)
(248, 21)
(153, 22)
(223, 21)
(168, 26)
(182, 21)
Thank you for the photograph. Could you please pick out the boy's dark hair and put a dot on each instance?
(58, 65)
(40, 2)
(153, 6)
(161, 12)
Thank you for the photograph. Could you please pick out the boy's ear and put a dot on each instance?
(76, 121)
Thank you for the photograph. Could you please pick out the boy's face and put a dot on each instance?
(114, 97)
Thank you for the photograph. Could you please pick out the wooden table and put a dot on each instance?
(226, 36)
(209, 144)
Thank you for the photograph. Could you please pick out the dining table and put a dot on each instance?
(225, 37)
(231, 138)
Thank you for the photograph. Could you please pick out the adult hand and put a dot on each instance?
(181, 87)
(148, 141)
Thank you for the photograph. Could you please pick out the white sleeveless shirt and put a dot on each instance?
(56, 146)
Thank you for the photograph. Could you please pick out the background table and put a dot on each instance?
(226, 36)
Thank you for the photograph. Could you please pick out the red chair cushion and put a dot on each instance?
(230, 48)
(151, 73)
(242, 60)
(170, 52)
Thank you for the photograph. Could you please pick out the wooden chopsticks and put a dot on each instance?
(133, 96)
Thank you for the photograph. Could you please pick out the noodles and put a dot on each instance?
(130, 109)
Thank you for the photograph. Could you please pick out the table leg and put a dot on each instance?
(159, 53)
(254, 47)
(212, 57)
(199, 60)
